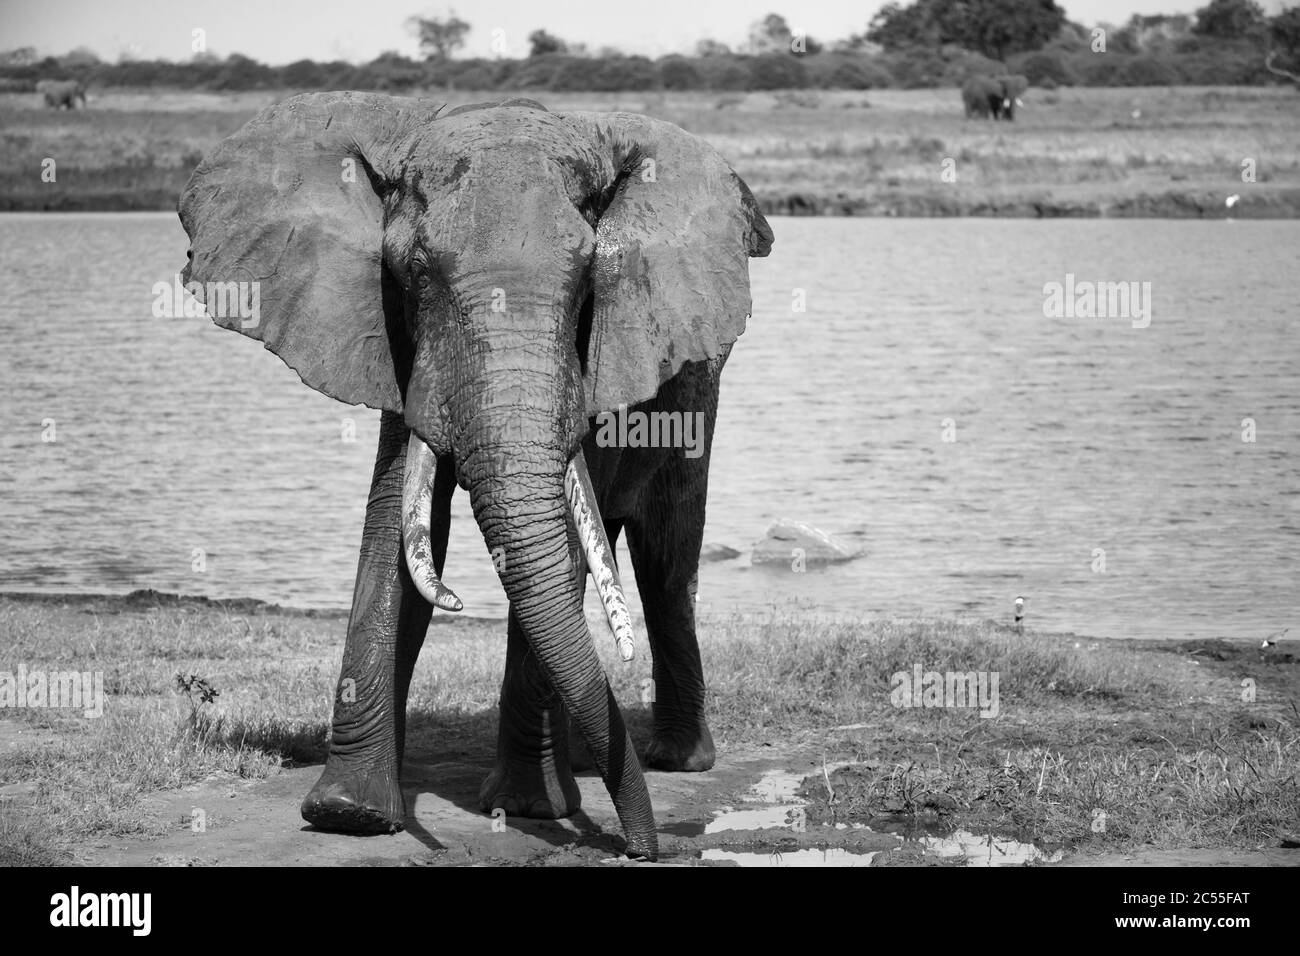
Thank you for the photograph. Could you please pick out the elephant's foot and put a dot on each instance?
(355, 801)
(688, 751)
(540, 790)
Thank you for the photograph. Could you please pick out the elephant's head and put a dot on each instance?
(496, 274)
(1012, 86)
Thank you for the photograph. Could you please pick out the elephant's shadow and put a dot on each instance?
(449, 753)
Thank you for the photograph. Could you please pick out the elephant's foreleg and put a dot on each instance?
(533, 776)
(359, 790)
(665, 545)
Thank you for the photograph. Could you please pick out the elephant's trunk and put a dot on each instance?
(518, 496)
(425, 530)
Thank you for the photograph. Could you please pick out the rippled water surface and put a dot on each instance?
(189, 459)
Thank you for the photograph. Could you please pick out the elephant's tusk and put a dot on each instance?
(417, 504)
(600, 556)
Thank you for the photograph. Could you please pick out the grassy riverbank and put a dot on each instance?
(1151, 151)
(1154, 739)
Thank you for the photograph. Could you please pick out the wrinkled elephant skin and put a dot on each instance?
(498, 280)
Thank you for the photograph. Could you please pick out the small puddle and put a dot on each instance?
(781, 809)
(684, 828)
(782, 786)
(813, 857)
(778, 791)
(764, 818)
(987, 851)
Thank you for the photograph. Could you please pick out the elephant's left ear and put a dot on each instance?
(670, 281)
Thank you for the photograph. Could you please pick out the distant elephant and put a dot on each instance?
(1011, 85)
(494, 279)
(59, 93)
(981, 96)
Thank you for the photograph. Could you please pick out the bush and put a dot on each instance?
(724, 72)
(304, 73)
(1145, 71)
(623, 73)
(678, 73)
(537, 72)
(836, 71)
(1098, 69)
(573, 75)
(777, 71)
(390, 72)
(917, 68)
(241, 73)
(1047, 70)
(476, 75)
(959, 64)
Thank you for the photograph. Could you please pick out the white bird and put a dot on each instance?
(1136, 113)
(1231, 200)
(1271, 640)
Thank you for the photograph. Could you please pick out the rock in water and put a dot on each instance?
(717, 552)
(784, 536)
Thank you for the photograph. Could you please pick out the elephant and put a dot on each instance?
(1012, 85)
(495, 279)
(993, 96)
(981, 96)
(59, 93)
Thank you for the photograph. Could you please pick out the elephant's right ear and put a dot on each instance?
(294, 203)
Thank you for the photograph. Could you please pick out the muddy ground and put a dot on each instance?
(256, 823)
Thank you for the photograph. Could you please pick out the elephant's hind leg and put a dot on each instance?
(533, 776)
(359, 790)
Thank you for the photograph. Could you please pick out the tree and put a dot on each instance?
(1158, 33)
(81, 56)
(20, 56)
(769, 35)
(1229, 19)
(1284, 31)
(439, 39)
(995, 28)
(1284, 36)
(542, 43)
(897, 27)
(1000, 27)
(707, 47)
(773, 34)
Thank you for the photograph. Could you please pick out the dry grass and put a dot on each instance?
(1162, 745)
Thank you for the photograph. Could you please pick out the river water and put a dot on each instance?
(899, 386)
